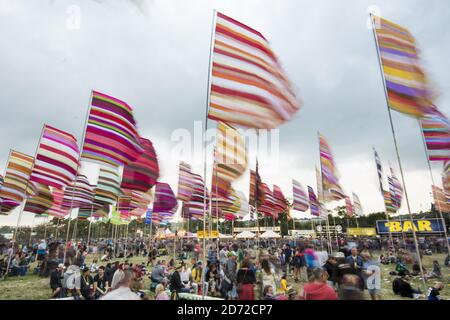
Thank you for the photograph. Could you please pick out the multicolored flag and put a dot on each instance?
(141, 175)
(186, 182)
(440, 200)
(165, 204)
(79, 195)
(390, 208)
(379, 170)
(396, 190)
(196, 205)
(230, 154)
(111, 136)
(244, 209)
(57, 156)
(256, 191)
(357, 205)
(281, 203)
(331, 186)
(301, 202)
(56, 209)
(40, 202)
(108, 187)
(407, 86)
(248, 85)
(268, 206)
(314, 204)
(16, 186)
(436, 132)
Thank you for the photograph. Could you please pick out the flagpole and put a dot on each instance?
(78, 168)
(397, 152)
(45, 228)
(208, 99)
(90, 223)
(22, 207)
(432, 181)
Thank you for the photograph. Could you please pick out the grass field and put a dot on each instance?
(32, 287)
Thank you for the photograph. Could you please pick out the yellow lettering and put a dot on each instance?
(424, 225)
(394, 226)
(408, 226)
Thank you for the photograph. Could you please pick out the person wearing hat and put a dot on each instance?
(56, 281)
(176, 286)
(86, 284)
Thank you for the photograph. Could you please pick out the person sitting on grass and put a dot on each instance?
(436, 272)
(160, 293)
(56, 281)
(100, 283)
(401, 287)
(434, 293)
(122, 290)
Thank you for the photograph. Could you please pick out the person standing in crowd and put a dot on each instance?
(372, 274)
(356, 264)
(267, 276)
(230, 272)
(245, 280)
(317, 288)
(299, 264)
(349, 288)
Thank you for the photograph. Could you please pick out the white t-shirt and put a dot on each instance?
(184, 275)
(121, 293)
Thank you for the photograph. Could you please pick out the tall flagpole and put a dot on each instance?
(78, 168)
(397, 152)
(208, 99)
(22, 207)
(437, 204)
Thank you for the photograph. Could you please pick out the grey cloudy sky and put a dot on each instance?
(154, 55)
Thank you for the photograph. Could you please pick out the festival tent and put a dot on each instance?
(245, 235)
(225, 236)
(269, 234)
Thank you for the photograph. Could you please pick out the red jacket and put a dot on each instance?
(318, 291)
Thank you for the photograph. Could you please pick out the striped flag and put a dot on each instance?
(139, 202)
(108, 187)
(165, 204)
(244, 209)
(186, 182)
(16, 186)
(379, 170)
(141, 175)
(79, 195)
(56, 158)
(281, 204)
(41, 202)
(349, 207)
(195, 206)
(248, 85)
(256, 191)
(111, 136)
(230, 154)
(440, 200)
(357, 205)
(330, 181)
(396, 190)
(436, 132)
(124, 206)
(56, 209)
(390, 208)
(407, 86)
(268, 206)
(314, 204)
(301, 202)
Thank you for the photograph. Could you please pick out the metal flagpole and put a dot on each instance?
(208, 98)
(31, 231)
(76, 175)
(90, 223)
(45, 228)
(398, 154)
(437, 204)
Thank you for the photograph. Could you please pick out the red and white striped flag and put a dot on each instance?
(248, 85)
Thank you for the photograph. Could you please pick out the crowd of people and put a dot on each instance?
(234, 270)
